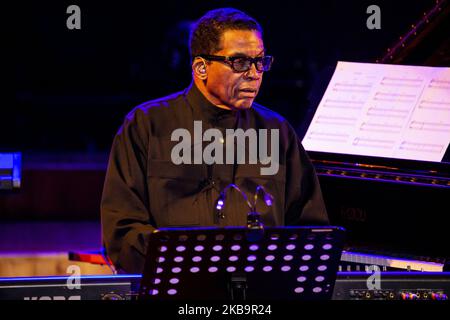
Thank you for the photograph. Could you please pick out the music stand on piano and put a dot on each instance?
(277, 263)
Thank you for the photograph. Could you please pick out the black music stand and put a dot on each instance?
(283, 263)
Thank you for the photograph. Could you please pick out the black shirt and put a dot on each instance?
(145, 190)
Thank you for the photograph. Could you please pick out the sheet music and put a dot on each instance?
(382, 110)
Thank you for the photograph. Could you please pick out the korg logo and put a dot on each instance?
(53, 298)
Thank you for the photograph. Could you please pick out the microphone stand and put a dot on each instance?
(237, 285)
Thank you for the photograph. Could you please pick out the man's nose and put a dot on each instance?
(253, 73)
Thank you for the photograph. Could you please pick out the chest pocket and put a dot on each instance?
(254, 171)
(173, 193)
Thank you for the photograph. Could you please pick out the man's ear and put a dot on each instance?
(199, 68)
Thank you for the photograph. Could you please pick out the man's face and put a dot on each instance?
(230, 89)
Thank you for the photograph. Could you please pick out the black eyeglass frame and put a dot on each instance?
(230, 61)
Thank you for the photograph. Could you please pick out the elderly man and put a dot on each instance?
(173, 156)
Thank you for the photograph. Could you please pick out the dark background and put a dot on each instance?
(72, 88)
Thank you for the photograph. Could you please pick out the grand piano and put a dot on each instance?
(395, 209)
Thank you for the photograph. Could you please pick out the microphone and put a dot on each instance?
(220, 203)
(253, 215)
(254, 221)
(268, 198)
(255, 226)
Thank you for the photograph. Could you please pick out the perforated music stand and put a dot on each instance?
(285, 263)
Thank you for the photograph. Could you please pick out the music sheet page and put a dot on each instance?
(392, 111)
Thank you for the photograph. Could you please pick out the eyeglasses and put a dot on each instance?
(242, 64)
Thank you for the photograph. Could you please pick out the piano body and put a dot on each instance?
(392, 215)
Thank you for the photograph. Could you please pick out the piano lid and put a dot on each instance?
(426, 41)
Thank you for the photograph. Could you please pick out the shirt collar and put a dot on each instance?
(202, 105)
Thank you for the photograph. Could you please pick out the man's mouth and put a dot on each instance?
(248, 89)
(248, 92)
